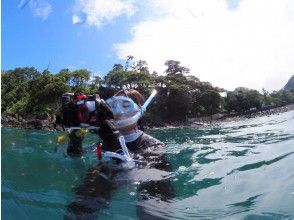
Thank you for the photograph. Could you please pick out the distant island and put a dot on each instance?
(32, 99)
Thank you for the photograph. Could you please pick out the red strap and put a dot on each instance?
(99, 151)
(80, 97)
(83, 114)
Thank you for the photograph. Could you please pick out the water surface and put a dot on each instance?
(232, 170)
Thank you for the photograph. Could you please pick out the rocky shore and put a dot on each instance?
(258, 113)
(47, 122)
(40, 123)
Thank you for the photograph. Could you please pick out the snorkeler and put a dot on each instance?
(81, 110)
(121, 115)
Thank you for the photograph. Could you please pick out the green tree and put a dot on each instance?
(243, 99)
(65, 75)
(174, 67)
(94, 85)
(211, 101)
(141, 66)
(15, 88)
(79, 79)
(118, 67)
(129, 63)
(115, 79)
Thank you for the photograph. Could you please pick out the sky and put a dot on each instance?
(230, 43)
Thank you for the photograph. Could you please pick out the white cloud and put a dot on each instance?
(99, 12)
(40, 8)
(250, 45)
(76, 19)
(43, 10)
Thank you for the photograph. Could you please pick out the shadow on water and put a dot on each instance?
(268, 216)
(246, 205)
(185, 155)
(259, 164)
(230, 212)
(241, 153)
(202, 157)
(192, 188)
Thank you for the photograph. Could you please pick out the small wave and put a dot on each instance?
(248, 203)
(191, 188)
(241, 153)
(259, 164)
(269, 215)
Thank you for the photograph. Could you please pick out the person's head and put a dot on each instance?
(130, 101)
(136, 96)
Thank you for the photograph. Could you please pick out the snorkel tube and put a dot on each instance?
(134, 119)
(125, 156)
(147, 102)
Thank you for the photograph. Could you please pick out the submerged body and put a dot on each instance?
(120, 116)
(95, 191)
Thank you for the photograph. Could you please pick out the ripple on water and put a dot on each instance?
(235, 170)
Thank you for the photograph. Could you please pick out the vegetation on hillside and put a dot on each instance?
(28, 92)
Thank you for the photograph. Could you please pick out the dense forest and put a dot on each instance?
(30, 93)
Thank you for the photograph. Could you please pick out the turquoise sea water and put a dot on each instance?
(232, 170)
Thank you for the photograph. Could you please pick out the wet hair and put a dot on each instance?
(137, 97)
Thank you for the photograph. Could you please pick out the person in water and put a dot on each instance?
(81, 109)
(119, 117)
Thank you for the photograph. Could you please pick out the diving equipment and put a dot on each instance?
(132, 136)
(116, 103)
(122, 105)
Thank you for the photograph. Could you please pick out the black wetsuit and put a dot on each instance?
(152, 151)
(74, 147)
(94, 193)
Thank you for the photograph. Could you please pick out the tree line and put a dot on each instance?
(28, 92)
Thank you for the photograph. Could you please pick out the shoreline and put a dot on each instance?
(260, 113)
(9, 121)
(227, 118)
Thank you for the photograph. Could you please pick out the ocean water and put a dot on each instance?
(231, 170)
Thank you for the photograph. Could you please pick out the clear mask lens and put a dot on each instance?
(122, 105)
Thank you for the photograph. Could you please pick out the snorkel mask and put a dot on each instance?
(126, 109)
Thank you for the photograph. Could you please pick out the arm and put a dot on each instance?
(107, 131)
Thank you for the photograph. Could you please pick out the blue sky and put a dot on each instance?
(32, 40)
(229, 43)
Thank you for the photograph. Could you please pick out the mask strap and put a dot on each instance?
(126, 94)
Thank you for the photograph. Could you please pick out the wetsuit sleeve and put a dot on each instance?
(151, 150)
(108, 131)
(149, 193)
(109, 135)
(74, 147)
